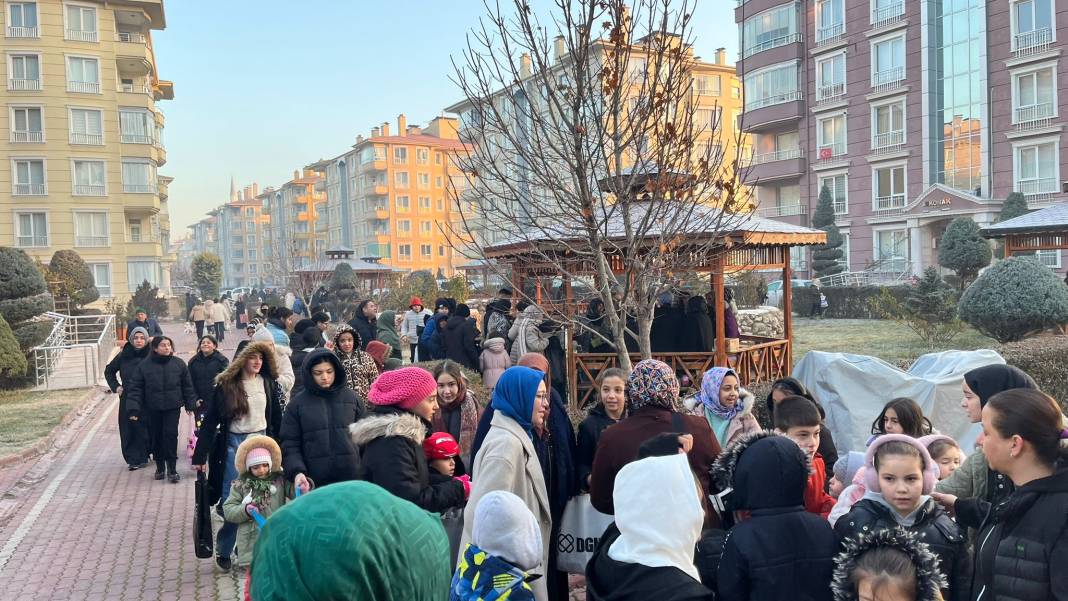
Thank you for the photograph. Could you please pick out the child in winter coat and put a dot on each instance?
(505, 546)
(945, 452)
(260, 487)
(899, 476)
(443, 456)
(847, 485)
(887, 564)
(799, 420)
(493, 361)
(777, 550)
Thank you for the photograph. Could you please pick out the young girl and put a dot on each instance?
(612, 385)
(899, 477)
(725, 404)
(887, 565)
(946, 453)
(458, 411)
(901, 416)
(360, 368)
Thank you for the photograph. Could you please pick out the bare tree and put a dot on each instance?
(300, 270)
(591, 149)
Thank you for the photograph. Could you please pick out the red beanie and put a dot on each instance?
(440, 445)
(404, 388)
(416, 301)
(379, 351)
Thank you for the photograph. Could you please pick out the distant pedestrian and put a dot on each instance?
(207, 363)
(365, 322)
(160, 388)
(218, 318)
(198, 314)
(386, 331)
(142, 320)
(493, 361)
(133, 430)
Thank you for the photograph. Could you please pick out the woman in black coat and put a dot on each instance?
(460, 337)
(611, 408)
(159, 389)
(699, 335)
(133, 433)
(203, 367)
(315, 427)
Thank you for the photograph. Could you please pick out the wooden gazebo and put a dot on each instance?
(369, 274)
(1044, 229)
(745, 243)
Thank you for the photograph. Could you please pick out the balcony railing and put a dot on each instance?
(89, 190)
(830, 92)
(1032, 42)
(1037, 187)
(890, 203)
(76, 35)
(23, 32)
(93, 139)
(94, 241)
(27, 136)
(830, 34)
(830, 152)
(887, 15)
(887, 79)
(139, 188)
(772, 100)
(29, 190)
(130, 36)
(1032, 116)
(130, 88)
(84, 87)
(23, 84)
(31, 241)
(783, 210)
(136, 139)
(782, 40)
(778, 155)
(887, 141)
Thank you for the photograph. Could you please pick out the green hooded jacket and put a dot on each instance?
(387, 329)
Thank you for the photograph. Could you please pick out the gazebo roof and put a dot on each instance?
(1050, 219)
(357, 265)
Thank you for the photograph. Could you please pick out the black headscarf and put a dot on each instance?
(989, 380)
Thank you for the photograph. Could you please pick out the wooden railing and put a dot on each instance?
(759, 360)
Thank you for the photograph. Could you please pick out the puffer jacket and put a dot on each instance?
(314, 433)
(460, 337)
(1022, 549)
(367, 328)
(493, 361)
(932, 525)
(390, 442)
(160, 384)
(124, 365)
(203, 371)
(781, 551)
(589, 433)
(359, 366)
(480, 575)
(928, 577)
(525, 334)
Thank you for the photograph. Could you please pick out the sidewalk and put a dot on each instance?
(93, 530)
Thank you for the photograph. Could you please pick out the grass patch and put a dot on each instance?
(28, 416)
(890, 341)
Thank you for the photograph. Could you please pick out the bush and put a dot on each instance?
(31, 333)
(963, 249)
(147, 297)
(17, 310)
(23, 295)
(1014, 299)
(1042, 358)
(19, 276)
(1015, 205)
(929, 310)
(846, 302)
(73, 278)
(749, 288)
(12, 361)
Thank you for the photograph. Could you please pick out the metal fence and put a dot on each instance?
(75, 352)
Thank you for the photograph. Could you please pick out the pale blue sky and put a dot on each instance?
(263, 87)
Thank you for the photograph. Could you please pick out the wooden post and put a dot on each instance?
(787, 308)
(569, 298)
(537, 291)
(717, 293)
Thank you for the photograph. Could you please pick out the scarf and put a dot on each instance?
(709, 394)
(652, 382)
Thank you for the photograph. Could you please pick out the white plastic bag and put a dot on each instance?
(580, 529)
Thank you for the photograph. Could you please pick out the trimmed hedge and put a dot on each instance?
(1043, 357)
(1014, 299)
(846, 302)
(31, 333)
(17, 310)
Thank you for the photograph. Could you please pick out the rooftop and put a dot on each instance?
(1050, 219)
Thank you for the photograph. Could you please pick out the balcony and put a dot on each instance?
(131, 37)
(773, 100)
(887, 79)
(887, 142)
(771, 113)
(774, 166)
(830, 93)
(23, 32)
(24, 85)
(830, 152)
(380, 213)
(887, 15)
(89, 190)
(92, 241)
(84, 87)
(29, 190)
(139, 188)
(136, 138)
(792, 38)
(778, 155)
(1033, 116)
(1033, 42)
(134, 88)
(90, 139)
(825, 36)
(132, 54)
(1038, 189)
(893, 204)
(77, 35)
(783, 210)
(27, 137)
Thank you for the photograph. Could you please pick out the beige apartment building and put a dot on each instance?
(86, 138)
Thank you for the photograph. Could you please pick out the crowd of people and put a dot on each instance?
(420, 489)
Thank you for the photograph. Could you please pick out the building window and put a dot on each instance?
(400, 179)
(439, 182)
(798, 259)
(437, 158)
(888, 63)
(139, 177)
(142, 271)
(400, 155)
(708, 85)
(836, 185)
(1032, 22)
(736, 92)
(134, 229)
(425, 251)
(441, 204)
(1036, 169)
(845, 250)
(26, 124)
(830, 21)
(24, 72)
(424, 203)
(707, 120)
(29, 177)
(424, 181)
(1049, 258)
(252, 267)
(81, 23)
(441, 250)
(777, 147)
(891, 250)
(31, 230)
(831, 137)
(136, 126)
(886, 12)
(888, 125)
(250, 240)
(889, 188)
(22, 20)
(250, 212)
(89, 178)
(830, 77)
(425, 228)
(1034, 96)
(404, 226)
(774, 85)
(779, 201)
(770, 29)
(101, 277)
(422, 156)
(86, 126)
(404, 252)
(83, 74)
(402, 203)
(252, 253)
(91, 229)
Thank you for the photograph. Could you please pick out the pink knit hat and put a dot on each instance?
(405, 388)
(258, 456)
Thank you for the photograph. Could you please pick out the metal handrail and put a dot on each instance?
(92, 334)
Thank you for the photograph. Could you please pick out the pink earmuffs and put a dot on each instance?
(871, 475)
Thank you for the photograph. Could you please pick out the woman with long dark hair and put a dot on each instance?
(458, 411)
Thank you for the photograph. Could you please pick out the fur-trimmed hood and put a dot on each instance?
(357, 340)
(929, 580)
(258, 442)
(270, 365)
(381, 425)
(773, 474)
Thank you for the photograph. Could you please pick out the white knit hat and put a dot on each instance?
(505, 527)
(263, 335)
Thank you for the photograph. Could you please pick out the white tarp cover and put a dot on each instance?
(854, 388)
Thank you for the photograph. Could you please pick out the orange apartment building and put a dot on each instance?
(295, 233)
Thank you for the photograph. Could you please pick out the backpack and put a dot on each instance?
(497, 326)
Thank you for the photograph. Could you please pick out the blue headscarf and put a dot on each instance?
(514, 394)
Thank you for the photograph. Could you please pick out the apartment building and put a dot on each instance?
(85, 138)
(391, 195)
(910, 112)
(295, 235)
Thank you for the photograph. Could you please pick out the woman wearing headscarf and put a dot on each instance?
(653, 392)
(974, 478)
(360, 368)
(725, 404)
(386, 331)
(508, 460)
(133, 430)
(160, 388)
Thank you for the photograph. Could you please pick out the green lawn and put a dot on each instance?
(888, 340)
(26, 417)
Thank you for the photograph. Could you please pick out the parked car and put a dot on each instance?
(775, 290)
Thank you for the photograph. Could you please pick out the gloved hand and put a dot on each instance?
(250, 507)
(466, 481)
